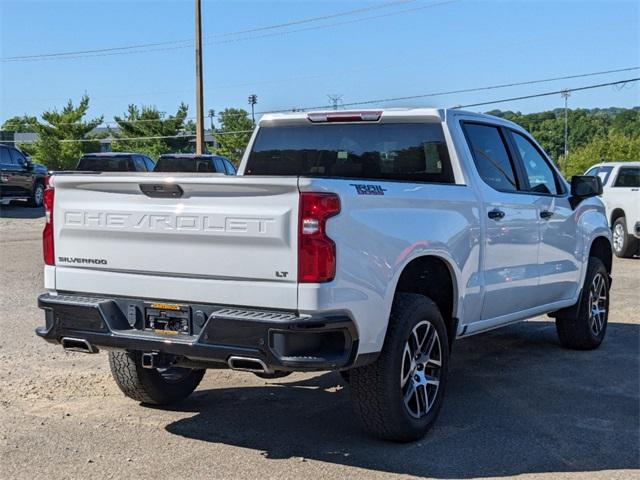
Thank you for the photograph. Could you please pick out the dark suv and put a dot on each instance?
(188, 162)
(20, 178)
(115, 162)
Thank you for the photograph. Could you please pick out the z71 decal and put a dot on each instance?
(363, 189)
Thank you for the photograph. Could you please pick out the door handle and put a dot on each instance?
(546, 214)
(495, 214)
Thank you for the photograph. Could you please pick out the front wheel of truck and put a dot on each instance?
(155, 386)
(398, 397)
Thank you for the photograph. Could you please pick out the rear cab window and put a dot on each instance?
(105, 164)
(411, 152)
(184, 164)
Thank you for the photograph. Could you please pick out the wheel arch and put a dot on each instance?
(435, 277)
(616, 213)
(601, 248)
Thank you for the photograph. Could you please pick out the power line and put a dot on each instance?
(410, 97)
(502, 100)
(546, 94)
(189, 42)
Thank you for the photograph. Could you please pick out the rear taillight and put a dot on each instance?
(47, 233)
(316, 251)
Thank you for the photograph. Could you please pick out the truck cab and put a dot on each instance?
(20, 178)
(364, 242)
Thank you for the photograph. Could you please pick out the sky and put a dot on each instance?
(388, 49)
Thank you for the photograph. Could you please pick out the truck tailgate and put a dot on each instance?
(226, 239)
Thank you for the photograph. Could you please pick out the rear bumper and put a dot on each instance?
(281, 340)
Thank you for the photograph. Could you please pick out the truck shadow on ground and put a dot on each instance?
(19, 210)
(516, 403)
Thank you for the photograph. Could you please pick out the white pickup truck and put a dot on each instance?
(621, 198)
(363, 242)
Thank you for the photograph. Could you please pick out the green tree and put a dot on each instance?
(63, 135)
(147, 121)
(18, 124)
(234, 133)
(613, 147)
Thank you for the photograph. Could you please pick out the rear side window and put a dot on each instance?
(178, 164)
(105, 164)
(413, 152)
(491, 157)
(219, 165)
(5, 157)
(628, 177)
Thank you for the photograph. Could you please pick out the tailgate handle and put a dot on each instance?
(161, 190)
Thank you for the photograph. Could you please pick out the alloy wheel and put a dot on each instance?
(618, 237)
(421, 369)
(598, 302)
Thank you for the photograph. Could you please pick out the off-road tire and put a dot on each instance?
(629, 244)
(575, 331)
(148, 385)
(376, 391)
(37, 196)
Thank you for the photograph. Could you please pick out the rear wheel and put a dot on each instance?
(586, 329)
(624, 245)
(156, 386)
(398, 397)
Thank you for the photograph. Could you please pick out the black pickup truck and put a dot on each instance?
(20, 178)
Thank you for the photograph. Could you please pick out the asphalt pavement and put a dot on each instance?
(517, 405)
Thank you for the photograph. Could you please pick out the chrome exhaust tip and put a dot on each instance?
(77, 345)
(247, 364)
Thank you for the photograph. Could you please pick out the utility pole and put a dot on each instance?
(334, 99)
(253, 99)
(566, 94)
(200, 147)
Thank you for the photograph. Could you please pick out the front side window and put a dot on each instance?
(491, 156)
(603, 172)
(140, 165)
(539, 173)
(412, 152)
(628, 177)
(17, 157)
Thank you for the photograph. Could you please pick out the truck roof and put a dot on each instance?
(435, 114)
(615, 164)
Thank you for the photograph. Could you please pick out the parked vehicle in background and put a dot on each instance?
(187, 162)
(621, 198)
(363, 242)
(115, 162)
(20, 178)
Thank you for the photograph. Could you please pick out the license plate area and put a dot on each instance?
(167, 318)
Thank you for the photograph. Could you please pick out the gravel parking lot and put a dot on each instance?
(517, 404)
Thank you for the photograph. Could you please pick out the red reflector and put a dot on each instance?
(47, 233)
(320, 117)
(316, 251)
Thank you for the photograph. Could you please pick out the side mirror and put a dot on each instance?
(585, 186)
(28, 164)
